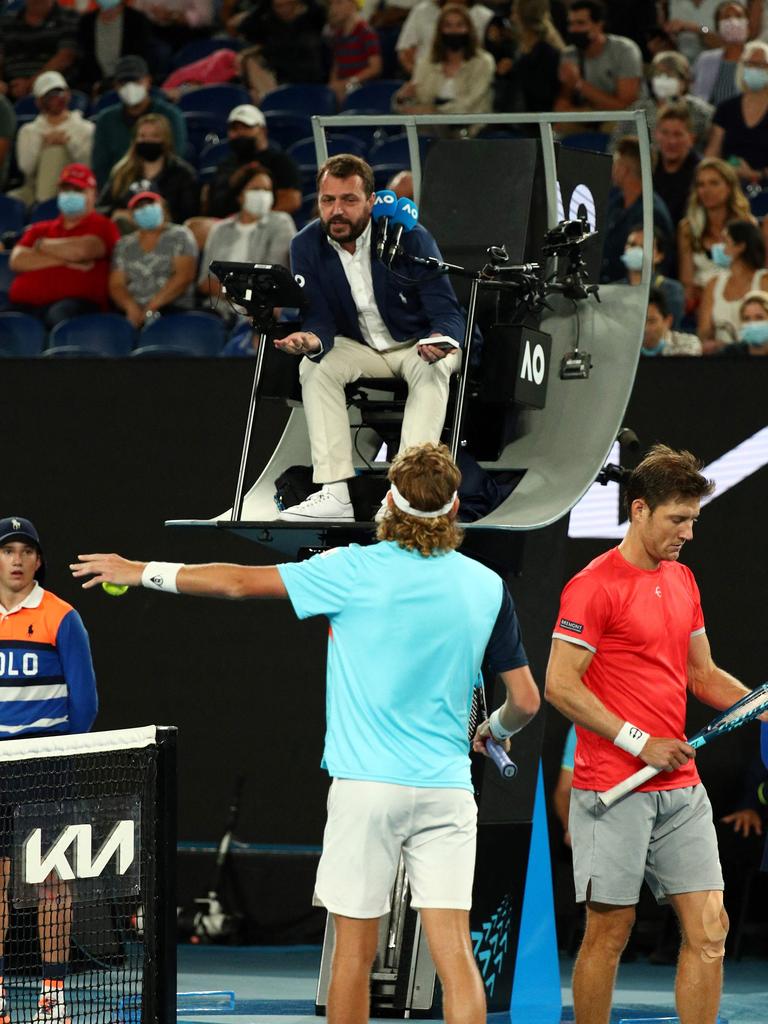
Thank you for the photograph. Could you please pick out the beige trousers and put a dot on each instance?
(44, 183)
(325, 407)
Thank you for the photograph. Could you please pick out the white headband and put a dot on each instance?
(405, 506)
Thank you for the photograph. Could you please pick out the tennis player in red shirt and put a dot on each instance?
(628, 646)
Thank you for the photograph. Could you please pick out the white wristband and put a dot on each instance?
(161, 576)
(631, 738)
(498, 731)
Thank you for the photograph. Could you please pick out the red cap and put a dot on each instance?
(141, 196)
(78, 175)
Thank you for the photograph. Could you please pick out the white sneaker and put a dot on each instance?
(51, 1010)
(321, 505)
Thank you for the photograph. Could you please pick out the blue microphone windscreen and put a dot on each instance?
(406, 213)
(384, 204)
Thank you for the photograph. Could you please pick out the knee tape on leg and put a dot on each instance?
(715, 927)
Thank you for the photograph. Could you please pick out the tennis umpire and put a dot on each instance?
(628, 645)
(411, 622)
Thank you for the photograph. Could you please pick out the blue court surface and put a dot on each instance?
(276, 985)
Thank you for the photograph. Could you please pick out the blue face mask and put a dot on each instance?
(149, 217)
(720, 257)
(71, 204)
(755, 78)
(654, 351)
(108, 5)
(632, 258)
(754, 333)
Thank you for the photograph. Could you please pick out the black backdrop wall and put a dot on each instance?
(100, 454)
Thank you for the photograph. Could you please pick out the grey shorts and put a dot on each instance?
(666, 837)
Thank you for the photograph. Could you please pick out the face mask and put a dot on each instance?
(665, 87)
(454, 41)
(632, 258)
(754, 333)
(54, 102)
(108, 5)
(149, 150)
(755, 78)
(654, 351)
(71, 204)
(132, 93)
(580, 40)
(733, 30)
(243, 146)
(719, 256)
(149, 216)
(257, 201)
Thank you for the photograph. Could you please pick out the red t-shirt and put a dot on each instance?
(42, 287)
(638, 623)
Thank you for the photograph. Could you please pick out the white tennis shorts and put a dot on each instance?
(371, 823)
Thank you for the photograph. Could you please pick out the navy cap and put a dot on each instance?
(18, 528)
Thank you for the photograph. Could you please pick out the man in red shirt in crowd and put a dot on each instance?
(355, 48)
(628, 645)
(62, 265)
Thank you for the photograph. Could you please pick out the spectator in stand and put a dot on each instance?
(456, 77)
(632, 258)
(741, 256)
(740, 129)
(532, 72)
(418, 32)
(39, 37)
(691, 24)
(7, 132)
(217, 68)
(354, 47)
(714, 73)
(597, 71)
(115, 124)
(659, 338)
(625, 208)
(153, 269)
(402, 185)
(257, 234)
(669, 79)
(112, 31)
(716, 199)
(289, 35)
(62, 265)
(178, 22)
(249, 144)
(753, 333)
(58, 136)
(675, 159)
(151, 161)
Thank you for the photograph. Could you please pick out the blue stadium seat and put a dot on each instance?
(306, 212)
(194, 334)
(13, 214)
(303, 152)
(758, 203)
(375, 97)
(597, 142)
(203, 129)
(301, 99)
(21, 335)
(200, 48)
(93, 334)
(285, 127)
(395, 150)
(107, 99)
(214, 99)
(26, 108)
(47, 210)
(6, 276)
(383, 172)
(212, 154)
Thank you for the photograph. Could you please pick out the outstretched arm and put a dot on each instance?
(218, 579)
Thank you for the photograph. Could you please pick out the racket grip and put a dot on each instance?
(610, 796)
(499, 756)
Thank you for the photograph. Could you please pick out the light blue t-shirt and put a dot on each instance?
(569, 750)
(407, 640)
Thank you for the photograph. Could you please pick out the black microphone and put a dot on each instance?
(383, 208)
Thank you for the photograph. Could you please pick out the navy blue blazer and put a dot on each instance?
(410, 311)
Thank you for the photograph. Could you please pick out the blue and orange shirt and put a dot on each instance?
(47, 682)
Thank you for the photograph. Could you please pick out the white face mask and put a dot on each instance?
(132, 93)
(665, 87)
(257, 201)
(734, 30)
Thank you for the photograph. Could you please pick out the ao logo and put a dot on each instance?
(533, 363)
(582, 204)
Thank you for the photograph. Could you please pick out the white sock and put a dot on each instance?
(338, 488)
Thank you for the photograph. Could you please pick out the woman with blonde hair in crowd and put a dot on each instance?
(152, 163)
(456, 77)
(716, 199)
(753, 313)
(533, 70)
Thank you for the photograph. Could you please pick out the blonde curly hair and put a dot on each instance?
(427, 477)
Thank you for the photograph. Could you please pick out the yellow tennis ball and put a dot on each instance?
(113, 589)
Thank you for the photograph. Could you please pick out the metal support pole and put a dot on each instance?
(458, 414)
(237, 507)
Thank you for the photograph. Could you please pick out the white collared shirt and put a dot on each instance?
(357, 268)
(32, 600)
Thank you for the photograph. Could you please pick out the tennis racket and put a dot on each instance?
(743, 711)
(479, 713)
